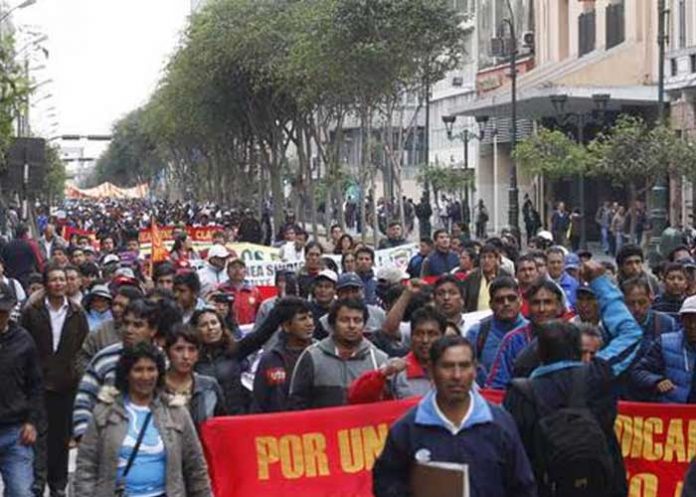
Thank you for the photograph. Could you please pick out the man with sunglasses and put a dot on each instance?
(486, 336)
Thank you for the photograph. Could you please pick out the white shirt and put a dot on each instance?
(57, 320)
(289, 253)
(454, 429)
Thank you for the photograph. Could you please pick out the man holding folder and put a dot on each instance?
(453, 443)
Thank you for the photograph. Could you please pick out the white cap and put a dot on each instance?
(391, 274)
(546, 235)
(111, 258)
(218, 251)
(689, 306)
(328, 274)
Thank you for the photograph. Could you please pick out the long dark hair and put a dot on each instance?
(130, 356)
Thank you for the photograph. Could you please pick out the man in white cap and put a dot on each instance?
(213, 274)
(666, 371)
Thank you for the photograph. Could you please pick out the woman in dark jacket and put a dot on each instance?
(201, 394)
(221, 356)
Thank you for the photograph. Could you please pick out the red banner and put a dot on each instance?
(330, 452)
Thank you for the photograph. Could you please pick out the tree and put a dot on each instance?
(132, 156)
(552, 154)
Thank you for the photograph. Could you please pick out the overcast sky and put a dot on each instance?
(105, 56)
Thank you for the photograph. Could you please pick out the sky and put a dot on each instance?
(105, 57)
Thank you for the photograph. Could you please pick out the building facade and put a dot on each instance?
(585, 52)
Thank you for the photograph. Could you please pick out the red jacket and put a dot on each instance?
(247, 300)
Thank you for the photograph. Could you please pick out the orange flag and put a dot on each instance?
(159, 251)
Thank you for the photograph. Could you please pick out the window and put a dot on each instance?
(674, 66)
(682, 23)
(586, 32)
(615, 24)
(692, 60)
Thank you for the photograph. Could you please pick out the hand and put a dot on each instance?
(665, 386)
(591, 270)
(393, 366)
(27, 434)
(416, 285)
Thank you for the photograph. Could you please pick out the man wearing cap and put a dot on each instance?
(587, 308)
(21, 400)
(559, 266)
(213, 274)
(58, 326)
(323, 294)
(97, 304)
(247, 297)
(666, 372)
(350, 286)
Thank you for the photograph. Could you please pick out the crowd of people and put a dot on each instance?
(125, 361)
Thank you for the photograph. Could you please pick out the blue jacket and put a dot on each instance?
(415, 265)
(670, 357)
(488, 442)
(623, 330)
(569, 285)
(498, 329)
(655, 324)
(370, 284)
(439, 263)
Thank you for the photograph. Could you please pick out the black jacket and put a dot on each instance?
(224, 363)
(60, 372)
(21, 395)
(472, 286)
(272, 380)
(20, 260)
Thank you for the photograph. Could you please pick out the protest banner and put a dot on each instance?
(331, 452)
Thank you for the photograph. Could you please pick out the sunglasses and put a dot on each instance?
(506, 298)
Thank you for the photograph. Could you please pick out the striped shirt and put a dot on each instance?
(100, 372)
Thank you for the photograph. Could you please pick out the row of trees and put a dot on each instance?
(253, 79)
(632, 153)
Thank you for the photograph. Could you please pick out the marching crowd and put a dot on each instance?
(124, 361)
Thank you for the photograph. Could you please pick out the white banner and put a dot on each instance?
(262, 273)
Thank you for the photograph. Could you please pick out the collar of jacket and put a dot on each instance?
(553, 367)
(328, 346)
(426, 415)
(414, 369)
(509, 325)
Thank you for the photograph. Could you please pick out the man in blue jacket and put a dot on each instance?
(455, 424)
(560, 354)
(485, 336)
(666, 372)
(558, 265)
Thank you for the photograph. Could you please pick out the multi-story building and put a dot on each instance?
(574, 57)
(680, 85)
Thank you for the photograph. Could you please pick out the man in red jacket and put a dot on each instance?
(407, 377)
(247, 298)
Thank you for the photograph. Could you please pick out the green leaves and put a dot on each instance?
(553, 154)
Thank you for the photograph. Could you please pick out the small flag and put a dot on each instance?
(159, 251)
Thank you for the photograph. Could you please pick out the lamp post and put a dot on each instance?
(581, 120)
(658, 193)
(513, 191)
(465, 136)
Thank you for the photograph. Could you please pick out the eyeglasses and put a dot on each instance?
(506, 298)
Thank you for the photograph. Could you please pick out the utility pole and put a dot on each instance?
(658, 194)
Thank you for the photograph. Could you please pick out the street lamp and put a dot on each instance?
(513, 191)
(581, 120)
(465, 136)
(26, 3)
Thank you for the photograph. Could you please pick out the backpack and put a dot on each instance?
(571, 452)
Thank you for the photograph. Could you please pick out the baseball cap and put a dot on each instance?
(7, 298)
(689, 306)
(391, 274)
(125, 272)
(348, 280)
(688, 262)
(110, 259)
(584, 288)
(546, 235)
(572, 261)
(100, 291)
(328, 275)
(218, 251)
